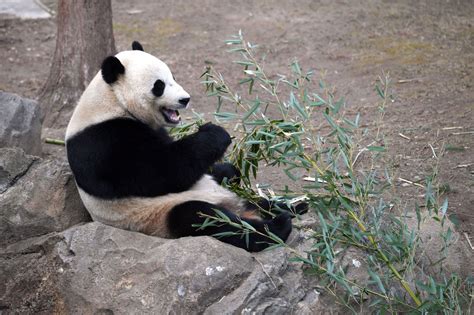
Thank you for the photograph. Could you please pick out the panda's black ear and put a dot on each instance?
(137, 46)
(112, 68)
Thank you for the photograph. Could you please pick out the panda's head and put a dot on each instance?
(145, 87)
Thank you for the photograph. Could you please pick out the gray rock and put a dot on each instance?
(126, 272)
(20, 124)
(261, 289)
(37, 196)
(275, 286)
(14, 163)
(94, 268)
(311, 304)
(29, 276)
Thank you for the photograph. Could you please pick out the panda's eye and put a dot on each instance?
(158, 88)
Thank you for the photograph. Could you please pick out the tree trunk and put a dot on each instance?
(84, 38)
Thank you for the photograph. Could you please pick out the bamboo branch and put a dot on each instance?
(54, 141)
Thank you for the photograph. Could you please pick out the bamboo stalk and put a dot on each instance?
(54, 141)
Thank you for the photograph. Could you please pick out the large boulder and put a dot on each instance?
(128, 272)
(98, 269)
(14, 163)
(36, 196)
(20, 123)
(29, 275)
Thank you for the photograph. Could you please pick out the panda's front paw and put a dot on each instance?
(225, 170)
(216, 137)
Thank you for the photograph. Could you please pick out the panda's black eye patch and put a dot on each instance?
(158, 88)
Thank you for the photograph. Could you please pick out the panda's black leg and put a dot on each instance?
(219, 171)
(183, 218)
(267, 208)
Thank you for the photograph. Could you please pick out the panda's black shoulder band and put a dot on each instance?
(112, 68)
(137, 46)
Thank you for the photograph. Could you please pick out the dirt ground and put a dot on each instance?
(427, 46)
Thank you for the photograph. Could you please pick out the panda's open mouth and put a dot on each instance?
(171, 115)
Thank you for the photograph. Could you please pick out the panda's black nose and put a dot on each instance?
(184, 101)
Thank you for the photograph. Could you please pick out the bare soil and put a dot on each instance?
(427, 46)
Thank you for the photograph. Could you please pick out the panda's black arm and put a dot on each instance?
(192, 156)
(123, 157)
(161, 165)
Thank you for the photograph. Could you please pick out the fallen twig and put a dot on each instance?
(403, 136)
(468, 240)
(463, 165)
(451, 128)
(462, 133)
(408, 80)
(313, 179)
(360, 152)
(266, 273)
(410, 182)
(432, 150)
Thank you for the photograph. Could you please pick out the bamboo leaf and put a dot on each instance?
(224, 234)
(377, 280)
(295, 104)
(444, 207)
(338, 105)
(295, 67)
(376, 148)
(379, 91)
(236, 50)
(248, 226)
(226, 115)
(289, 174)
(244, 63)
(274, 246)
(250, 142)
(252, 110)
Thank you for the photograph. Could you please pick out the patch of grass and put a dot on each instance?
(162, 29)
(454, 148)
(168, 27)
(402, 51)
(298, 123)
(128, 30)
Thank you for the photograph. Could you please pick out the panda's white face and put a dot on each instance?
(147, 89)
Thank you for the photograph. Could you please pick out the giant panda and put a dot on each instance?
(131, 174)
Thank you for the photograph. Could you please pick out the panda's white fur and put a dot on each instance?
(131, 97)
(121, 95)
(132, 94)
(148, 214)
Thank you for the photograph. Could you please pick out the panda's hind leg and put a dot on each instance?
(184, 219)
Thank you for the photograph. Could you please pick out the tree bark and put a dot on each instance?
(84, 38)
